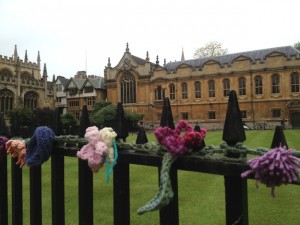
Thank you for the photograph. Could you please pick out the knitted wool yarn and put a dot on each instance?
(165, 193)
(39, 148)
(17, 149)
(3, 141)
(107, 135)
(176, 145)
(276, 167)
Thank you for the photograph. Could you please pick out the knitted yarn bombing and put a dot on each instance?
(99, 146)
(17, 149)
(176, 143)
(40, 146)
(276, 167)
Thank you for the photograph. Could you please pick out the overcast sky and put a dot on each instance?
(74, 35)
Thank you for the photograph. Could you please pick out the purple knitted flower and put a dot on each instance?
(176, 143)
(276, 167)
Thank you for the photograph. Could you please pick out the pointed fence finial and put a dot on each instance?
(84, 121)
(279, 138)
(121, 127)
(58, 127)
(166, 116)
(233, 131)
(3, 128)
(141, 135)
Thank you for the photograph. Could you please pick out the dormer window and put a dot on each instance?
(89, 89)
(73, 91)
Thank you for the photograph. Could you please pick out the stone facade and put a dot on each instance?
(266, 82)
(22, 85)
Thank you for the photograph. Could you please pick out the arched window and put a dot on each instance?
(172, 91)
(128, 88)
(184, 90)
(5, 75)
(275, 83)
(226, 87)
(197, 86)
(294, 82)
(30, 100)
(6, 100)
(211, 88)
(242, 86)
(258, 85)
(159, 93)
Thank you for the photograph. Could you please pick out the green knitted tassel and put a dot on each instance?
(165, 193)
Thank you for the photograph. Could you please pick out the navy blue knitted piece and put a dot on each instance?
(39, 148)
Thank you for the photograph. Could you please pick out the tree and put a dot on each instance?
(297, 45)
(68, 120)
(99, 105)
(213, 48)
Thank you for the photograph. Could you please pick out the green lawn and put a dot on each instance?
(201, 196)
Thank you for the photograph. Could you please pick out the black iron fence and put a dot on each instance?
(235, 188)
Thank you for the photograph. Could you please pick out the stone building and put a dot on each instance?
(84, 90)
(60, 93)
(266, 82)
(22, 85)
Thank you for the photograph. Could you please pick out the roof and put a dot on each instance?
(77, 81)
(63, 80)
(97, 83)
(229, 58)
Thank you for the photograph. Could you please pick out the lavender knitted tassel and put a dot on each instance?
(276, 167)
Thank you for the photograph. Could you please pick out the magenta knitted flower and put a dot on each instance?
(276, 167)
(176, 143)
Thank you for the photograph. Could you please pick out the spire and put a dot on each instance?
(45, 71)
(127, 47)
(108, 63)
(164, 61)
(39, 60)
(157, 61)
(16, 53)
(182, 55)
(26, 57)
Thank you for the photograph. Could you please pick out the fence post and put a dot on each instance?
(169, 215)
(236, 195)
(17, 196)
(121, 194)
(3, 188)
(35, 195)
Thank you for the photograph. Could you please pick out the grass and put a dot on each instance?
(201, 196)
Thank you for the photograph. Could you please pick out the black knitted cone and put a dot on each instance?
(233, 131)
(121, 127)
(141, 136)
(3, 128)
(279, 138)
(166, 116)
(58, 126)
(84, 121)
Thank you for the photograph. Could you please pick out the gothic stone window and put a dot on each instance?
(197, 86)
(242, 86)
(211, 115)
(185, 115)
(5, 75)
(294, 82)
(30, 100)
(184, 90)
(159, 93)
(172, 91)
(6, 100)
(128, 88)
(275, 84)
(258, 85)
(226, 87)
(211, 88)
(276, 113)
